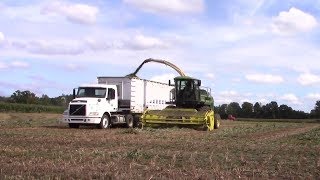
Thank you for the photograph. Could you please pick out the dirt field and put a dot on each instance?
(34, 146)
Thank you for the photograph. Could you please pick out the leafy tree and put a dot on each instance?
(44, 100)
(247, 109)
(222, 110)
(315, 113)
(285, 111)
(271, 110)
(25, 97)
(299, 115)
(234, 109)
(3, 99)
(257, 110)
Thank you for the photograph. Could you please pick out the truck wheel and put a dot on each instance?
(136, 121)
(217, 120)
(72, 125)
(105, 122)
(129, 121)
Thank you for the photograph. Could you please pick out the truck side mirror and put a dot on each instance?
(74, 93)
(169, 82)
(199, 82)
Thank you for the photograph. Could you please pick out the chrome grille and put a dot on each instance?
(77, 110)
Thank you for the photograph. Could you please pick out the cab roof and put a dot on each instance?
(184, 78)
(94, 85)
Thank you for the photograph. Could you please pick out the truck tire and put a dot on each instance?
(72, 125)
(136, 121)
(105, 122)
(129, 121)
(217, 120)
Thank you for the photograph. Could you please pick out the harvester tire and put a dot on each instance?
(129, 121)
(105, 122)
(217, 120)
(74, 126)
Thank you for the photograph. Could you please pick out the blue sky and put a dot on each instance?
(255, 51)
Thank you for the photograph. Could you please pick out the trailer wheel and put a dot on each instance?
(72, 125)
(105, 122)
(129, 121)
(217, 120)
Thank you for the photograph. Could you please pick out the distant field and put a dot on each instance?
(36, 146)
(280, 120)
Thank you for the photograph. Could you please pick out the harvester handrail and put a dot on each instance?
(208, 89)
(134, 74)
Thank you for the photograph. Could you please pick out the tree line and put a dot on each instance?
(28, 97)
(268, 111)
(247, 110)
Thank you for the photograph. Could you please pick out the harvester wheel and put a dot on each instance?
(217, 120)
(129, 121)
(72, 125)
(105, 122)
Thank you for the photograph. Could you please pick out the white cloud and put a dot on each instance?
(99, 44)
(50, 47)
(19, 64)
(263, 101)
(313, 96)
(264, 78)
(141, 42)
(3, 65)
(73, 67)
(2, 38)
(291, 98)
(226, 97)
(136, 42)
(30, 13)
(229, 93)
(293, 21)
(79, 13)
(222, 101)
(164, 78)
(13, 65)
(306, 79)
(210, 75)
(67, 46)
(168, 6)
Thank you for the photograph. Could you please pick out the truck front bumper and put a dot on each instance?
(81, 120)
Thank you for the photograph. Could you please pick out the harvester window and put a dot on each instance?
(186, 86)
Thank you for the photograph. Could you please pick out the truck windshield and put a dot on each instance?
(94, 92)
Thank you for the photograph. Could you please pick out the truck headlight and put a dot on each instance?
(94, 114)
(66, 112)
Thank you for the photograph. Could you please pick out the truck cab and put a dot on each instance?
(92, 103)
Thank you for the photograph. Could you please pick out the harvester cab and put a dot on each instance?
(189, 95)
(191, 106)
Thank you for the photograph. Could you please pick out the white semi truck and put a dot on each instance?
(115, 100)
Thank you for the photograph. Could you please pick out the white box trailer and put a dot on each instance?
(116, 100)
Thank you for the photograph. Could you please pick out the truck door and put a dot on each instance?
(112, 99)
